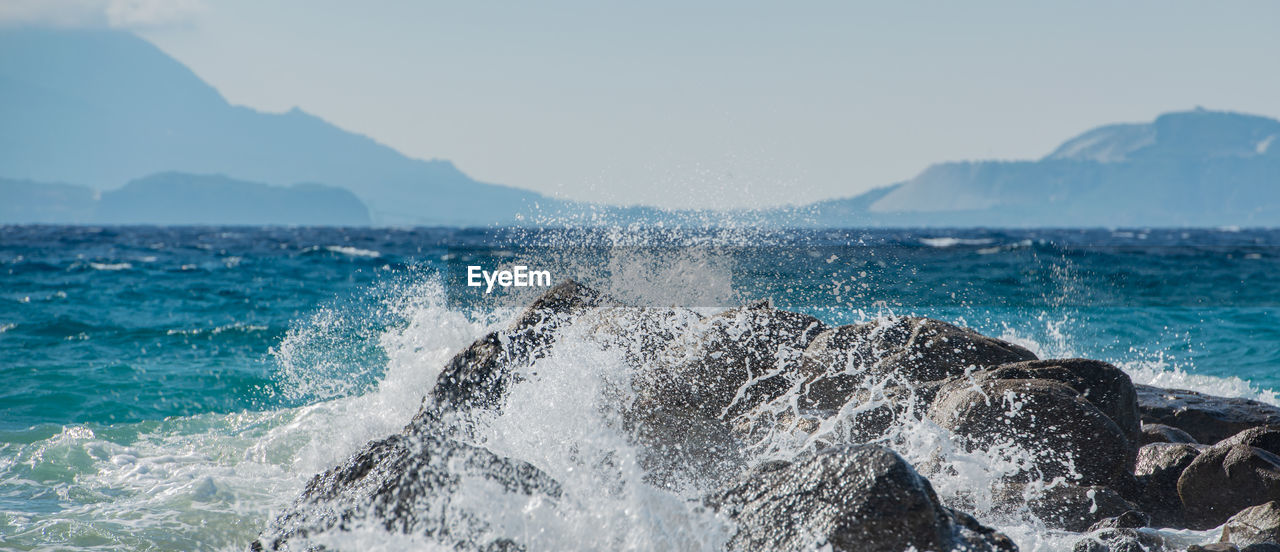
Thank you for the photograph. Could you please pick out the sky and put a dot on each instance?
(710, 104)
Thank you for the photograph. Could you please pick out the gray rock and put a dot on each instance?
(1132, 519)
(1077, 508)
(856, 498)
(1100, 383)
(1207, 418)
(1160, 433)
(1266, 438)
(678, 450)
(1068, 436)
(408, 485)
(1121, 540)
(1225, 479)
(478, 377)
(1158, 468)
(743, 357)
(1254, 525)
(910, 349)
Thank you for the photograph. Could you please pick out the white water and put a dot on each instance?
(213, 481)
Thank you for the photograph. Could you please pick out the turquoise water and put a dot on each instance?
(170, 388)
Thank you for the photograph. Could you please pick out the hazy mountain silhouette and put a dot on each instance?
(181, 199)
(1194, 168)
(101, 108)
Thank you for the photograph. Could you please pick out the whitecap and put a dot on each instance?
(111, 266)
(952, 242)
(354, 251)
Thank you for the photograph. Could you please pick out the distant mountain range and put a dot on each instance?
(102, 127)
(101, 108)
(1194, 168)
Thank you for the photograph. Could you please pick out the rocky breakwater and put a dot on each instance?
(791, 434)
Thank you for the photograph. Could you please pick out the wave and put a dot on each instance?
(952, 242)
(111, 266)
(353, 251)
(213, 481)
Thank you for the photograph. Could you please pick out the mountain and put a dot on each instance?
(1193, 168)
(100, 108)
(28, 202)
(178, 198)
(181, 199)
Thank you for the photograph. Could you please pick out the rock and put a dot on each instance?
(1213, 547)
(1160, 433)
(1158, 468)
(743, 357)
(1206, 418)
(408, 485)
(1100, 383)
(1266, 438)
(878, 369)
(678, 450)
(908, 348)
(1132, 519)
(1254, 525)
(1121, 540)
(1067, 435)
(1076, 508)
(855, 498)
(478, 376)
(1224, 479)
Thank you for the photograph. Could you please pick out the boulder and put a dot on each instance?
(1213, 547)
(1224, 479)
(678, 450)
(1076, 508)
(877, 369)
(1254, 525)
(1160, 433)
(1266, 438)
(1158, 468)
(1066, 435)
(854, 498)
(1121, 540)
(1102, 384)
(1228, 547)
(910, 349)
(1131, 519)
(478, 376)
(409, 485)
(741, 358)
(1206, 418)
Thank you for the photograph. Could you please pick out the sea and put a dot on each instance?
(174, 388)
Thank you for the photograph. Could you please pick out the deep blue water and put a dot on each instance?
(129, 324)
(133, 331)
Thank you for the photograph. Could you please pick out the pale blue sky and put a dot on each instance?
(720, 103)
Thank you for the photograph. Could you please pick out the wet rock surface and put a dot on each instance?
(854, 498)
(1160, 433)
(1254, 525)
(1224, 479)
(1077, 508)
(478, 376)
(708, 394)
(1103, 385)
(1158, 469)
(1206, 418)
(1071, 438)
(408, 485)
